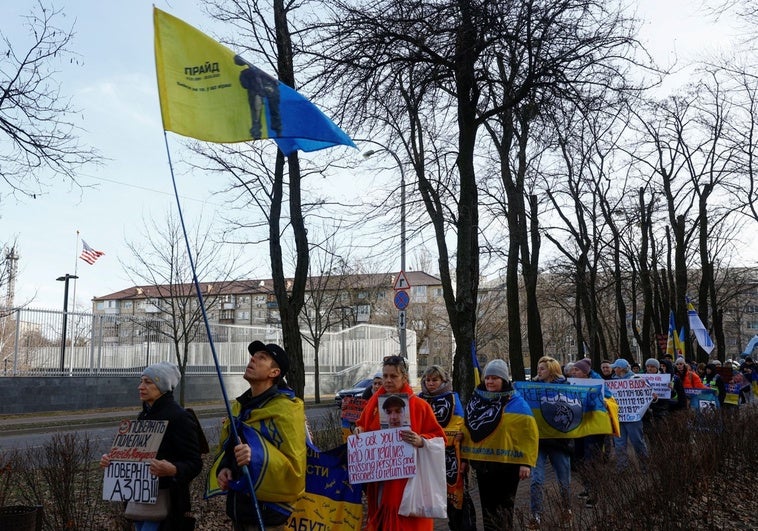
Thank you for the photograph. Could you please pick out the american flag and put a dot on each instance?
(90, 255)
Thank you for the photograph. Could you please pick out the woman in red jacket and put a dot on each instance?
(384, 497)
(689, 378)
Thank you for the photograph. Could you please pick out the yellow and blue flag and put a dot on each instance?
(567, 411)
(475, 364)
(500, 428)
(675, 342)
(330, 501)
(210, 93)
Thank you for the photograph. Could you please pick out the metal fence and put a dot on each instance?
(32, 342)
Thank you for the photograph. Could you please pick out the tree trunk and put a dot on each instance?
(290, 304)
(467, 264)
(530, 273)
(645, 284)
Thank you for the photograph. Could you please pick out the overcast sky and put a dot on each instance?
(115, 88)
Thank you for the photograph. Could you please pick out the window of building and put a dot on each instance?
(362, 313)
(418, 293)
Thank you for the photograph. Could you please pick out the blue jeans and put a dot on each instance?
(630, 432)
(561, 462)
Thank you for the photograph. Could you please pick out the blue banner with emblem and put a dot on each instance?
(566, 411)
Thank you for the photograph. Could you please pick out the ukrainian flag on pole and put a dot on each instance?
(210, 93)
(675, 343)
(475, 364)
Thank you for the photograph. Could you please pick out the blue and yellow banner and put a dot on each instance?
(210, 93)
(330, 501)
(567, 411)
(500, 429)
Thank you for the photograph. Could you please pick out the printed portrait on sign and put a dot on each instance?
(393, 411)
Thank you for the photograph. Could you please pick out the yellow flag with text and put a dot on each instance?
(210, 93)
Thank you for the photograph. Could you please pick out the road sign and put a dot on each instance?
(402, 299)
(401, 319)
(401, 282)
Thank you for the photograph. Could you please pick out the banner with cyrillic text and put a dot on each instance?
(128, 477)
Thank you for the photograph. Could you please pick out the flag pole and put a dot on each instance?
(76, 277)
(201, 302)
(76, 266)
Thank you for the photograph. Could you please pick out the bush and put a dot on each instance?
(63, 477)
(695, 477)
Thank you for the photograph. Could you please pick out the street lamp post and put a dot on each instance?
(65, 280)
(402, 333)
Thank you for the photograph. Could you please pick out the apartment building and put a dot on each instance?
(332, 302)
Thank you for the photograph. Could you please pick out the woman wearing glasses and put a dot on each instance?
(384, 497)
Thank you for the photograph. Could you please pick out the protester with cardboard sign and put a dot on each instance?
(178, 459)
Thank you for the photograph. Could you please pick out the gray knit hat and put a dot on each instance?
(497, 368)
(164, 375)
(583, 365)
(653, 362)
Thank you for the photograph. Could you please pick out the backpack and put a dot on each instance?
(201, 440)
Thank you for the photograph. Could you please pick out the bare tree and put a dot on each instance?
(417, 71)
(324, 306)
(36, 119)
(161, 268)
(266, 34)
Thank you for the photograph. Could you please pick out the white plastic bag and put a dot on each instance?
(425, 494)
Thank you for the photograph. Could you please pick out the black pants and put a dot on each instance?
(498, 483)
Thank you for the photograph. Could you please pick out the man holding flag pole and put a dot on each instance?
(210, 93)
(271, 424)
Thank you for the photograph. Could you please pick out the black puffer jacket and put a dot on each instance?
(179, 447)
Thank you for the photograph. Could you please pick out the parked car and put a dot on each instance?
(356, 390)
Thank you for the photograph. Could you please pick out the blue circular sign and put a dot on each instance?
(402, 299)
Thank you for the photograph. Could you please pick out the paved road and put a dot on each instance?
(33, 431)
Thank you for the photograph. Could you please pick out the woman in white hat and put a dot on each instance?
(500, 440)
(178, 459)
